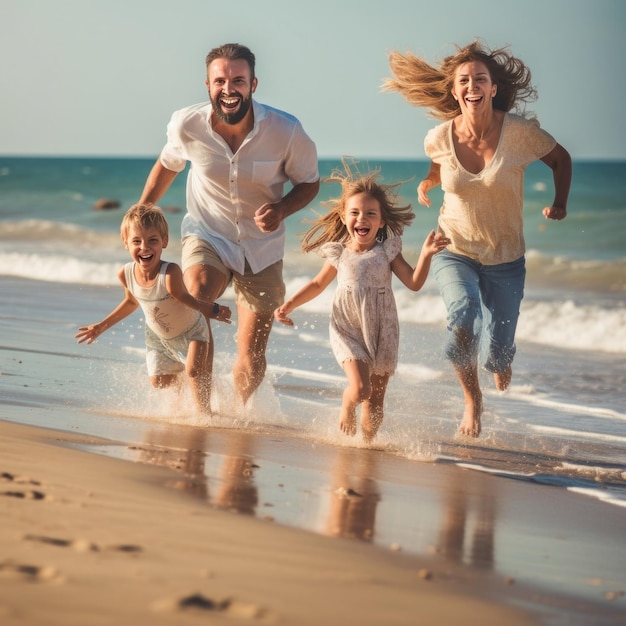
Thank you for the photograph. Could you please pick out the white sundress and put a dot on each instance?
(364, 319)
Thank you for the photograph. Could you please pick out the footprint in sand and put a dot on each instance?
(28, 494)
(18, 479)
(82, 545)
(33, 573)
(227, 607)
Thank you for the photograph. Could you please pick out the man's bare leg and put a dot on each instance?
(253, 331)
(206, 283)
(198, 367)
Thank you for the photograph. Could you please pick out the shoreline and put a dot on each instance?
(326, 532)
(80, 528)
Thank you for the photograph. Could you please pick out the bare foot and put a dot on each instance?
(370, 422)
(347, 422)
(243, 385)
(503, 379)
(471, 423)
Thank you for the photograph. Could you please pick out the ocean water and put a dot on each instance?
(562, 423)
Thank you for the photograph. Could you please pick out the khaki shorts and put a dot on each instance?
(262, 293)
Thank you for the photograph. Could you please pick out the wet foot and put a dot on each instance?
(503, 379)
(471, 422)
(370, 425)
(347, 422)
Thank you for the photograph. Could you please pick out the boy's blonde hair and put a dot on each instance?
(330, 227)
(144, 216)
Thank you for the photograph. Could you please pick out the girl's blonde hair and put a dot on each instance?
(330, 227)
(144, 216)
(423, 85)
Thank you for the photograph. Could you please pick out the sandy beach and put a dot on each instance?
(91, 539)
(117, 507)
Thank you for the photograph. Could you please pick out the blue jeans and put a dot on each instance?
(483, 303)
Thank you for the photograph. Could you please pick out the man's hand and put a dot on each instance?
(268, 218)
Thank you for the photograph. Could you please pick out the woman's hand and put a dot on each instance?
(433, 178)
(422, 192)
(554, 213)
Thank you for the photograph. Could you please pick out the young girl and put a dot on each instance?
(364, 329)
(177, 333)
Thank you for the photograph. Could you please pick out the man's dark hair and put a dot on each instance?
(232, 52)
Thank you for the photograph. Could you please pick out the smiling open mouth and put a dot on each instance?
(230, 104)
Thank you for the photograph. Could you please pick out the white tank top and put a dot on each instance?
(166, 316)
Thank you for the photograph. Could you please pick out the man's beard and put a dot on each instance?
(232, 118)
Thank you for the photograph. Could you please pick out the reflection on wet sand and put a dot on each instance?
(469, 510)
(219, 467)
(186, 456)
(236, 489)
(354, 496)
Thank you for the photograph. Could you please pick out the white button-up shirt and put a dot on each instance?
(224, 190)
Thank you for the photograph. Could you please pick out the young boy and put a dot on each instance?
(177, 333)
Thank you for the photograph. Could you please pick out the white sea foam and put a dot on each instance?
(572, 325)
(59, 268)
(570, 432)
(605, 495)
(68, 253)
(529, 396)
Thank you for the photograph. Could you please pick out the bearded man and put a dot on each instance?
(242, 153)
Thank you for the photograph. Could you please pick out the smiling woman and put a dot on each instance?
(478, 156)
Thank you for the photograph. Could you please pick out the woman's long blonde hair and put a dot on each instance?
(330, 227)
(423, 85)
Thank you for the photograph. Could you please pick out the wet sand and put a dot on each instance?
(261, 527)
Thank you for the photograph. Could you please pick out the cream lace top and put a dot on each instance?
(482, 213)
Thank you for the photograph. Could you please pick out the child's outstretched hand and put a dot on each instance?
(435, 243)
(223, 313)
(281, 316)
(88, 333)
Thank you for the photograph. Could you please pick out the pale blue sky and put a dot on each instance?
(86, 77)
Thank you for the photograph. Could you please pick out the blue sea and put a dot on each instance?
(562, 423)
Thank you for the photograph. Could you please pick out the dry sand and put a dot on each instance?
(87, 539)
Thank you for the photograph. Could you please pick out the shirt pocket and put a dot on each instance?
(268, 172)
